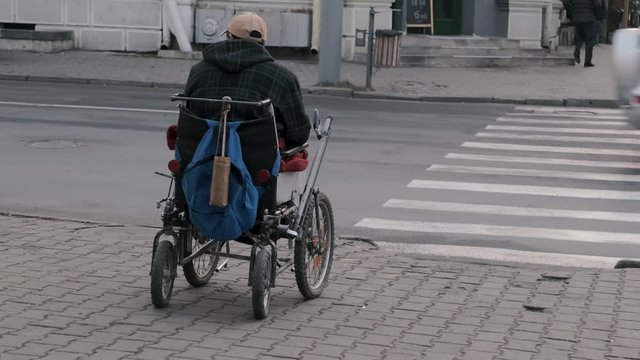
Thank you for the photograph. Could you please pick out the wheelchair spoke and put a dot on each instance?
(199, 270)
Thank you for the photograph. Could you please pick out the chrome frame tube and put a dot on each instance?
(198, 252)
(206, 246)
(323, 133)
(272, 112)
(284, 267)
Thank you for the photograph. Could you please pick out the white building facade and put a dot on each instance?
(146, 25)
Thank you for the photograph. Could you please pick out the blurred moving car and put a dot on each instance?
(626, 66)
(634, 108)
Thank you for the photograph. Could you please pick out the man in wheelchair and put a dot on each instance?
(243, 109)
(242, 68)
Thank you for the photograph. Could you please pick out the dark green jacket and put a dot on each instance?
(245, 70)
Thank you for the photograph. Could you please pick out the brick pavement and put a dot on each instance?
(77, 290)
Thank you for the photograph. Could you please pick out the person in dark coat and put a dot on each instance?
(242, 68)
(601, 18)
(583, 15)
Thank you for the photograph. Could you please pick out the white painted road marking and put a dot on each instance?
(581, 139)
(600, 237)
(85, 107)
(551, 110)
(570, 115)
(587, 129)
(550, 161)
(511, 210)
(561, 122)
(497, 254)
(533, 172)
(563, 130)
(558, 149)
(526, 190)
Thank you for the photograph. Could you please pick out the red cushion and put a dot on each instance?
(295, 162)
(172, 136)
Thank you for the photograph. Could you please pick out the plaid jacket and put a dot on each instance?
(244, 70)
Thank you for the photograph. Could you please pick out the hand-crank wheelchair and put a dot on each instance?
(290, 207)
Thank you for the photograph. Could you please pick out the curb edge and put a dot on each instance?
(345, 93)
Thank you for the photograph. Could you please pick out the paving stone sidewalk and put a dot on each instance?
(565, 85)
(76, 290)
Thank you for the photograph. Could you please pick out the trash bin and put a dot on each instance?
(387, 48)
(626, 62)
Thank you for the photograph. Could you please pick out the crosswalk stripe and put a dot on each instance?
(591, 127)
(571, 110)
(533, 173)
(581, 116)
(526, 190)
(497, 254)
(510, 210)
(563, 130)
(600, 140)
(550, 161)
(558, 149)
(499, 230)
(561, 122)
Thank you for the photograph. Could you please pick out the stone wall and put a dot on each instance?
(31, 40)
(355, 15)
(525, 21)
(117, 25)
(137, 25)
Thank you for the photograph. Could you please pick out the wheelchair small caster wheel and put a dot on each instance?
(163, 272)
(261, 284)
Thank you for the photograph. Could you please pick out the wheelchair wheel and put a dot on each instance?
(261, 284)
(199, 271)
(162, 274)
(313, 253)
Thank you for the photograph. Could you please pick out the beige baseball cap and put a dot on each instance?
(249, 26)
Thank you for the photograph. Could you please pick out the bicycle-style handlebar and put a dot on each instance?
(226, 99)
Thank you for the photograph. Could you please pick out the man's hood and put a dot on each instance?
(236, 55)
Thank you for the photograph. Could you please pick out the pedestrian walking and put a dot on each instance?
(582, 14)
(601, 17)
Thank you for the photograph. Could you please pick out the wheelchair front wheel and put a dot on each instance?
(199, 271)
(162, 274)
(261, 284)
(313, 253)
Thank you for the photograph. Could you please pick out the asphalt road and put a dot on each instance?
(99, 163)
(90, 152)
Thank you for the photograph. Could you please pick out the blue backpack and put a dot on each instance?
(240, 214)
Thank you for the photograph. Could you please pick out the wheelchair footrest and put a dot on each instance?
(284, 231)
